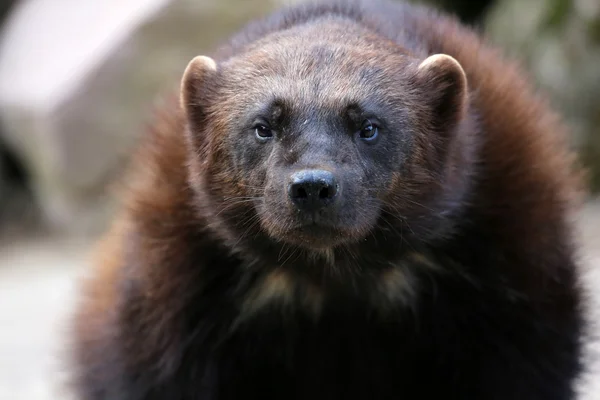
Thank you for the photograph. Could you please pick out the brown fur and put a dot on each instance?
(521, 178)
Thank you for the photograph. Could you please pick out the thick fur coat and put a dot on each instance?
(450, 271)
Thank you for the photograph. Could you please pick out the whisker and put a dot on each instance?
(243, 197)
(290, 256)
(252, 225)
(225, 208)
(415, 203)
(228, 204)
(282, 252)
(251, 187)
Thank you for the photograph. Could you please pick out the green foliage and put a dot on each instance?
(557, 14)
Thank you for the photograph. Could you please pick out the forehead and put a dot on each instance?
(328, 66)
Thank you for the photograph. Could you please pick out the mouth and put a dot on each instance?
(316, 236)
(316, 230)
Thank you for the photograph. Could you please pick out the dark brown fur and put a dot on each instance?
(480, 221)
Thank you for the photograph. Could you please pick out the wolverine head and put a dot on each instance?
(318, 139)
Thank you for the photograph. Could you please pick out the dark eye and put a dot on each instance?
(262, 132)
(369, 131)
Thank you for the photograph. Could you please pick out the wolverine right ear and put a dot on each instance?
(195, 78)
(445, 83)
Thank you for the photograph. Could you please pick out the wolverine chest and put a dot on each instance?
(336, 357)
(381, 292)
(444, 345)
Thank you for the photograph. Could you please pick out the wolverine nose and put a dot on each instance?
(312, 189)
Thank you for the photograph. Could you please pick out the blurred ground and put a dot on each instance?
(36, 292)
(37, 286)
(590, 230)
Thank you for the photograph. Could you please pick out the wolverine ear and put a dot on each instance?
(445, 83)
(196, 77)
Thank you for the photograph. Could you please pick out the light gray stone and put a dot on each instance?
(75, 121)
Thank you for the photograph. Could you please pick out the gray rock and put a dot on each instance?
(75, 134)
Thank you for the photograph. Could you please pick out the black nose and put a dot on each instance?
(312, 189)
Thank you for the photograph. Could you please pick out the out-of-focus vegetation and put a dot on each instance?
(59, 157)
(559, 43)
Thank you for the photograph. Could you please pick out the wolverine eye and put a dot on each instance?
(262, 132)
(369, 131)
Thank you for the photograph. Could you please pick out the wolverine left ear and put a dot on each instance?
(445, 83)
(198, 74)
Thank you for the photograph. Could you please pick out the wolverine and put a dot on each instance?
(347, 200)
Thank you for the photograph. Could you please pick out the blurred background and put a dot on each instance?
(78, 79)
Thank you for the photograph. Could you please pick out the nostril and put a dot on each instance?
(325, 193)
(301, 193)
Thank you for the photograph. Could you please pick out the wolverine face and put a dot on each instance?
(314, 139)
(318, 168)
(307, 138)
